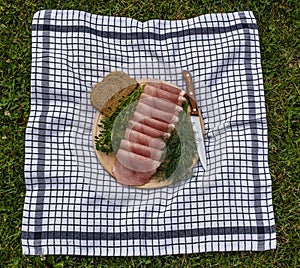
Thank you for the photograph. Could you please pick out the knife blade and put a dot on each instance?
(196, 118)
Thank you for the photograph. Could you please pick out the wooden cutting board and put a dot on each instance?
(108, 160)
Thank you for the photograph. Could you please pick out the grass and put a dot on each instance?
(279, 27)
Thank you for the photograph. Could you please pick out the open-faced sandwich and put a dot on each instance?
(142, 133)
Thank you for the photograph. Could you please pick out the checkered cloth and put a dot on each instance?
(73, 206)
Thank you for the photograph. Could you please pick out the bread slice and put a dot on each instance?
(106, 95)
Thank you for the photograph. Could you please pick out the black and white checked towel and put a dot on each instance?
(74, 207)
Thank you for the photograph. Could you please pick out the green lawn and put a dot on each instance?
(279, 27)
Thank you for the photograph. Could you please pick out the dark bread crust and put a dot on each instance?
(105, 95)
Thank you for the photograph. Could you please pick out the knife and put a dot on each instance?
(196, 118)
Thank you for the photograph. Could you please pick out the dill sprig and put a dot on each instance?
(181, 149)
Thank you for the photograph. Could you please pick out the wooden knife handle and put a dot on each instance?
(189, 83)
(190, 91)
(190, 95)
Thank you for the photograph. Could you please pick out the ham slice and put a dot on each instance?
(144, 139)
(156, 92)
(157, 114)
(160, 104)
(166, 87)
(143, 150)
(152, 122)
(136, 162)
(150, 131)
(130, 177)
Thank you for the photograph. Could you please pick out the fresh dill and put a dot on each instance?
(181, 149)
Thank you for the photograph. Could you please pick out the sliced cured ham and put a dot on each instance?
(143, 150)
(166, 87)
(150, 131)
(160, 104)
(156, 92)
(136, 162)
(157, 114)
(130, 177)
(144, 139)
(152, 122)
(143, 146)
